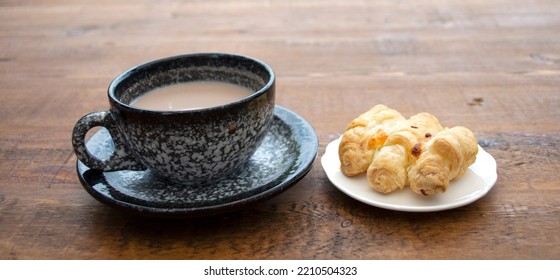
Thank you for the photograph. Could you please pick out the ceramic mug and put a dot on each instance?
(195, 146)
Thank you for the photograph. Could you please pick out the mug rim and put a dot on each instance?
(126, 74)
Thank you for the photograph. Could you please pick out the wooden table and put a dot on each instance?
(493, 66)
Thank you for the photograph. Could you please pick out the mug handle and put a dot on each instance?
(120, 159)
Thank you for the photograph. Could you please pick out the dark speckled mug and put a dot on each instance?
(190, 147)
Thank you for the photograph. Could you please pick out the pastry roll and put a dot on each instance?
(364, 136)
(388, 170)
(445, 157)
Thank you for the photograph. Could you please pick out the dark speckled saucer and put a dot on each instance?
(284, 157)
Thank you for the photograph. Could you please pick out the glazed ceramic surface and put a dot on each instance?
(189, 147)
(284, 157)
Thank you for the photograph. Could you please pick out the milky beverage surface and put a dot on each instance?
(191, 95)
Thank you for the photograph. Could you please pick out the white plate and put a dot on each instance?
(478, 180)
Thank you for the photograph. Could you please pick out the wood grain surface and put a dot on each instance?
(493, 66)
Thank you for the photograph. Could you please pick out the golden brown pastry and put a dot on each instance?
(445, 157)
(388, 170)
(364, 136)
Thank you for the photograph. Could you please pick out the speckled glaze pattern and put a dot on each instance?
(188, 147)
(285, 156)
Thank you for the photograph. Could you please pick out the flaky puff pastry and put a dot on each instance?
(388, 169)
(364, 136)
(445, 157)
